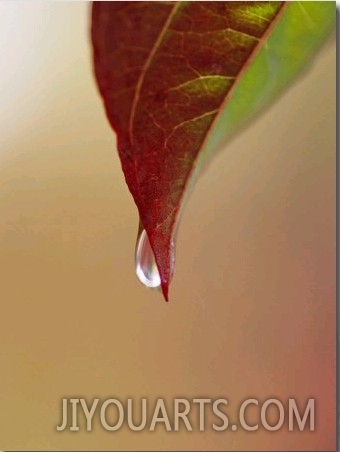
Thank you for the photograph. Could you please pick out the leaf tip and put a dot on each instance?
(165, 290)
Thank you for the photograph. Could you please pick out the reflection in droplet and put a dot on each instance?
(146, 268)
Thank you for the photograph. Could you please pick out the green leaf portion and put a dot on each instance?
(302, 29)
(206, 86)
(253, 16)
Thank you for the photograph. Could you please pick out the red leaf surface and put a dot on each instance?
(165, 70)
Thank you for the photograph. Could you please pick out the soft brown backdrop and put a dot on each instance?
(252, 311)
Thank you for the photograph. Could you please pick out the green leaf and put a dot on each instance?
(295, 40)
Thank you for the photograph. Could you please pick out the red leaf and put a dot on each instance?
(164, 70)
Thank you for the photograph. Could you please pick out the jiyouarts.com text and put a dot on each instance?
(195, 414)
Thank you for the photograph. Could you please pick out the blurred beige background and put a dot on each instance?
(252, 310)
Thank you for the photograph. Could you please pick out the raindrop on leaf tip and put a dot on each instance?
(146, 267)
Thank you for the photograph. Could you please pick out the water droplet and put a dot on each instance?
(146, 268)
